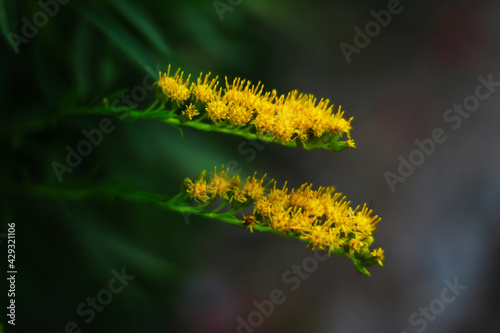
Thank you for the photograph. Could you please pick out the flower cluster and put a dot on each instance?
(322, 217)
(295, 118)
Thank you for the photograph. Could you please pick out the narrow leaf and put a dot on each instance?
(116, 33)
(143, 23)
(8, 23)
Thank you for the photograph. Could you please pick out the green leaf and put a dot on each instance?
(68, 103)
(116, 33)
(116, 95)
(143, 23)
(361, 269)
(81, 54)
(50, 80)
(338, 146)
(8, 21)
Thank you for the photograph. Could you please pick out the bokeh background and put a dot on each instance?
(441, 224)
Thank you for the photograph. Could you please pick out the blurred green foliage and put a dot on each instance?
(87, 51)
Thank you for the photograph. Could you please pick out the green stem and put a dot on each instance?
(177, 203)
(157, 112)
(169, 117)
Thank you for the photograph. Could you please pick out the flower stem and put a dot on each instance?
(179, 203)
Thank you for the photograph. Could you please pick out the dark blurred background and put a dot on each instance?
(439, 226)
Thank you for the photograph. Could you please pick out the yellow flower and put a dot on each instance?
(378, 254)
(198, 189)
(174, 87)
(277, 196)
(265, 110)
(322, 217)
(220, 185)
(239, 115)
(235, 181)
(318, 236)
(254, 187)
(190, 111)
(242, 94)
(292, 118)
(362, 222)
(262, 206)
(351, 143)
(205, 91)
(239, 195)
(339, 124)
(279, 219)
(217, 110)
(355, 245)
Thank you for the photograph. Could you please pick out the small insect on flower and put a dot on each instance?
(249, 222)
(321, 217)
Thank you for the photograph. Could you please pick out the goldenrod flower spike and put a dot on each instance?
(321, 217)
(239, 107)
(242, 108)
